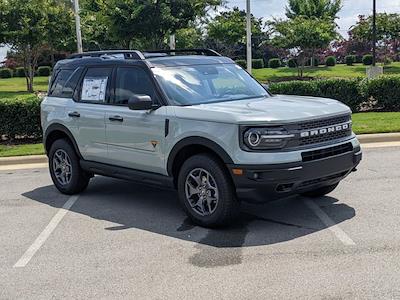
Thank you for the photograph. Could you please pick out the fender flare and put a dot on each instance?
(58, 127)
(197, 140)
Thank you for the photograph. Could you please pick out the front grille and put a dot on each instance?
(324, 138)
(324, 122)
(327, 152)
(323, 179)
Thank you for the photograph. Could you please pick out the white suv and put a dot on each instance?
(196, 122)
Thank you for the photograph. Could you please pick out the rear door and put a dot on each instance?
(90, 110)
(135, 138)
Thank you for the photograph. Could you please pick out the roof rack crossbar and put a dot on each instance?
(128, 54)
(207, 52)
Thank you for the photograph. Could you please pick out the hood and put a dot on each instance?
(277, 109)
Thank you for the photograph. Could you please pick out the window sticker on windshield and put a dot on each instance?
(94, 89)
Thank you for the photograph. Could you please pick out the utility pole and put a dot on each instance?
(374, 34)
(248, 36)
(172, 43)
(78, 27)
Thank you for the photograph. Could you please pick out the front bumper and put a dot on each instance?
(264, 183)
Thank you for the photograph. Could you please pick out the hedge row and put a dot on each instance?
(19, 72)
(255, 63)
(20, 117)
(382, 93)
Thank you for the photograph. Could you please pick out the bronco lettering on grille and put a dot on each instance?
(321, 131)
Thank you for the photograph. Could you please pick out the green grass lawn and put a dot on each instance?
(376, 122)
(12, 87)
(343, 71)
(19, 150)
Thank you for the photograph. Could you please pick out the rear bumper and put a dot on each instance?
(264, 183)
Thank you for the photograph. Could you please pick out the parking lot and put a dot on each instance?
(123, 240)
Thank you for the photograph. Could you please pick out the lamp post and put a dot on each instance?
(78, 27)
(248, 36)
(374, 34)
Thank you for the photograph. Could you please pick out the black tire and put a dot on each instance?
(321, 191)
(227, 206)
(78, 179)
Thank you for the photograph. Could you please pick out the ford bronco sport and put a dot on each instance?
(195, 121)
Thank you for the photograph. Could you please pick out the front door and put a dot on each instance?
(135, 138)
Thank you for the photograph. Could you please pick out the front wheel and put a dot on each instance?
(320, 191)
(206, 191)
(65, 170)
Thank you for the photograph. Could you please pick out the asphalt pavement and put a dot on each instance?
(120, 240)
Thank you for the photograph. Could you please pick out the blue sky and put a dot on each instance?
(276, 8)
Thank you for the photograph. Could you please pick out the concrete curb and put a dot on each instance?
(363, 138)
(20, 160)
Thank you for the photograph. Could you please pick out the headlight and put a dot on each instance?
(266, 138)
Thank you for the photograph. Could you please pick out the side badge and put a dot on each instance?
(154, 143)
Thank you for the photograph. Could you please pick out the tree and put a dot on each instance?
(303, 35)
(227, 32)
(28, 27)
(146, 23)
(323, 9)
(24, 26)
(60, 29)
(388, 32)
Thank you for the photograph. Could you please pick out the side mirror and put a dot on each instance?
(265, 86)
(140, 102)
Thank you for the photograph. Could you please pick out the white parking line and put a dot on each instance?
(329, 223)
(41, 239)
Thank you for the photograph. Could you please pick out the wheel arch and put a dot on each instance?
(58, 131)
(190, 146)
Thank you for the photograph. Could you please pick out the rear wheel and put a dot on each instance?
(321, 191)
(206, 191)
(65, 170)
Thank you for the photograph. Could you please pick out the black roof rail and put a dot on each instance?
(128, 54)
(199, 51)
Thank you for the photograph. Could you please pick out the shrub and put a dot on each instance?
(274, 63)
(344, 90)
(44, 71)
(258, 63)
(5, 73)
(350, 60)
(20, 117)
(242, 63)
(384, 91)
(292, 63)
(330, 61)
(19, 72)
(367, 59)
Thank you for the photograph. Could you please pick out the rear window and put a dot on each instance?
(65, 82)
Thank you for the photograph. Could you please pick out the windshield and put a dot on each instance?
(198, 84)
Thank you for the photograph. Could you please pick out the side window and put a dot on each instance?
(94, 85)
(71, 84)
(132, 80)
(59, 82)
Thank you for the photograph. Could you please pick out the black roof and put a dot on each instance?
(166, 58)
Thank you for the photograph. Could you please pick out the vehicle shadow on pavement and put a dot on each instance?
(132, 205)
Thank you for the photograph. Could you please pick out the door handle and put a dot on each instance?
(74, 114)
(116, 118)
